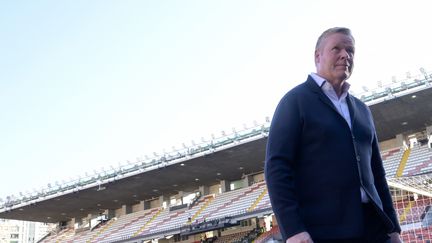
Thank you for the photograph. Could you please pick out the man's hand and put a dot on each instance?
(302, 237)
(395, 238)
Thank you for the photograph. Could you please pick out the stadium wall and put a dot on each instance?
(391, 143)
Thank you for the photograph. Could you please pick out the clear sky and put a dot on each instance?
(89, 84)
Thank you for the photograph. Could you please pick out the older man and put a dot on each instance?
(324, 172)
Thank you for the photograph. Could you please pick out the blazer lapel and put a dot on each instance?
(351, 108)
(350, 100)
(316, 89)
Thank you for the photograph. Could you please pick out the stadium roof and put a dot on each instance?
(233, 158)
(230, 157)
(405, 113)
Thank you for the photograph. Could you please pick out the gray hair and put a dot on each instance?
(331, 31)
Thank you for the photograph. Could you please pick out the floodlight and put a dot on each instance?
(394, 79)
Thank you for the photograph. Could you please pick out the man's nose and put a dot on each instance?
(346, 54)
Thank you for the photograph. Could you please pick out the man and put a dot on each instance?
(323, 169)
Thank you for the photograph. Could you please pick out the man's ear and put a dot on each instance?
(317, 57)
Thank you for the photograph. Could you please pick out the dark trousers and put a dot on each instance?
(374, 229)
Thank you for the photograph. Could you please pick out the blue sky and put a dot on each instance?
(89, 84)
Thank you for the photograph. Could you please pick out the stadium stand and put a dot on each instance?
(419, 161)
(391, 159)
(237, 202)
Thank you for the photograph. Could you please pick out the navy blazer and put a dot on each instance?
(315, 166)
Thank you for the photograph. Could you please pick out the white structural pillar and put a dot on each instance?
(110, 213)
(225, 186)
(147, 205)
(400, 140)
(204, 190)
(89, 218)
(429, 135)
(247, 180)
(163, 199)
(126, 209)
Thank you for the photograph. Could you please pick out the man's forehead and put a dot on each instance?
(339, 37)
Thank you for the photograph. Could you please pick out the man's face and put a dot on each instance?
(334, 58)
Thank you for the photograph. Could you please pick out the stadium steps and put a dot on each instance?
(177, 219)
(406, 211)
(56, 237)
(233, 202)
(79, 237)
(66, 236)
(388, 153)
(124, 224)
(204, 206)
(418, 169)
(101, 230)
(264, 203)
(418, 161)
(260, 197)
(403, 162)
(166, 220)
(391, 159)
(47, 238)
(140, 230)
(194, 210)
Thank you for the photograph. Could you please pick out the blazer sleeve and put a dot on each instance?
(283, 142)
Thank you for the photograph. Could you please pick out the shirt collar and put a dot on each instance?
(321, 81)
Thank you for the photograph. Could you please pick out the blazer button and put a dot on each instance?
(358, 158)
